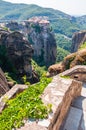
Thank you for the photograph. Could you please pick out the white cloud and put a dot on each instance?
(73, 7)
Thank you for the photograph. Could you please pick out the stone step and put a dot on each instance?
(73, 119)
(83, 122)
(80, 103)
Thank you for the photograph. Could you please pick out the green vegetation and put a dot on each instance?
(36, 27)
(41, 71)
(24, 80)
(10, 77)
(61, 22)
(83, 46)
(69, 61)
(65, 26)
(63, 41)
(65, 76)
(61, 53)
(26, 105)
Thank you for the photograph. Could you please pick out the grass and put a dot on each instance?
(26, 105)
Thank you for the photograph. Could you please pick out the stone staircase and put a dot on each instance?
(76, 117)
(61, 92)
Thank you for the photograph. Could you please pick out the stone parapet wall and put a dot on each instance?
(60, 93)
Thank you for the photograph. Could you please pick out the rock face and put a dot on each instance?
(78, 39)
(77, 58)
(19, 51)
(3, 83)
(39, 33)
(42, 38)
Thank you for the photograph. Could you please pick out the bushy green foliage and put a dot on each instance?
(65, 26)
(61, 53)
(10, 77)
(65, 76)
(26, 105)
(41, 71)
(24, 80)
(83, 46)
(63, 41)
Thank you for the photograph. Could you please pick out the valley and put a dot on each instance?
(42, 68)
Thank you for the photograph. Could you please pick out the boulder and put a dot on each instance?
(55, 69)
(77, 58)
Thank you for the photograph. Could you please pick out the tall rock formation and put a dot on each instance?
(19, 51)
(3, 83)
(42, 38)
(39, 33)
(78, 39)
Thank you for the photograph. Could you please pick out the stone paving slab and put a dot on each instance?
(83, 122)
(73, 120)
(32, 126)
(54, 92)
(80, 103)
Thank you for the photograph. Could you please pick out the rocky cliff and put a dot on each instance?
(18, 51)
(78, 39)
(42, 38)
(3, 83)
(39, 33)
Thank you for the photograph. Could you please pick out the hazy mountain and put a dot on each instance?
(62, 23)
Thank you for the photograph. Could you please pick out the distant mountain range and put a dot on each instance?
(61, 22)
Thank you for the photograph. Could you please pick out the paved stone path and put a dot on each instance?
(76, 118)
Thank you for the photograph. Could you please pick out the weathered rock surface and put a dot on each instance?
(78, 39)
(78, 73)
(43, 41)
(55, 69)
(77, 58)
(3, 83)
(19, 51)
(39, 33)
(10, 94)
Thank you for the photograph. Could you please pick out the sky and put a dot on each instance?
(72, 7)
